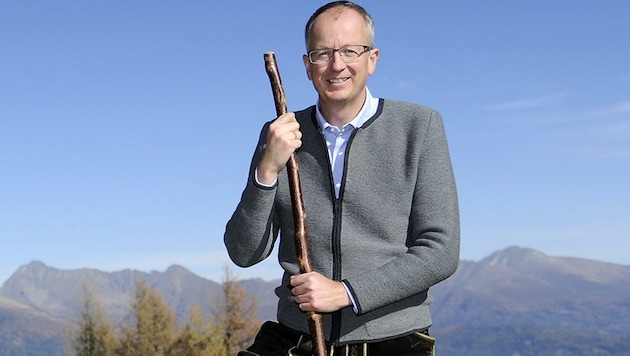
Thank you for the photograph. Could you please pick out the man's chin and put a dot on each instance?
(336, 96)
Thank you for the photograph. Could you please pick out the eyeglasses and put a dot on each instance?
(349, 54)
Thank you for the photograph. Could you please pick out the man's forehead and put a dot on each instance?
(337, 27)
(335, 13)
(342, 19)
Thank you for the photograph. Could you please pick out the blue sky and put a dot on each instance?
(126, 127)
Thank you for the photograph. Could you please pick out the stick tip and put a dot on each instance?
(269, 57)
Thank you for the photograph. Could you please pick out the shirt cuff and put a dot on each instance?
(354, 304)
(262, 184)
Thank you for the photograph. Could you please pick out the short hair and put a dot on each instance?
(369, 22)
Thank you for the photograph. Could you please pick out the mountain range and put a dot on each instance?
(516, 301)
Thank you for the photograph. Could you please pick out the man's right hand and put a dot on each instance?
(283, 139)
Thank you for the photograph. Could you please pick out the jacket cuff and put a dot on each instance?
(350, 292)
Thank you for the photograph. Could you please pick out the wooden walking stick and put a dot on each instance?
(315, 323)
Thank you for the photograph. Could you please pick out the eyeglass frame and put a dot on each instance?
(366, 48)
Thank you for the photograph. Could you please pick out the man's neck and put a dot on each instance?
(339, 114)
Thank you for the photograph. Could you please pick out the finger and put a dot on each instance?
(294, 135)
(286, 118)
(297, 279)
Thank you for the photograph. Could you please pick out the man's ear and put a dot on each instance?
(374, 53)
(307, 66)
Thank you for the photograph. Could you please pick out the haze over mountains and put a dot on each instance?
(514, 302)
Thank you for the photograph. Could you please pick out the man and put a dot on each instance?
(380, 197)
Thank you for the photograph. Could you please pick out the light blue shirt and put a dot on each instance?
(337, 137)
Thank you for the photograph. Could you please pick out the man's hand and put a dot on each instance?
(283, 139)
(314, 292)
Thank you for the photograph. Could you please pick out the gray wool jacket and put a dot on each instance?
(392, 234)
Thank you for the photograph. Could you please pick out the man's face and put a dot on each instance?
(339, 83)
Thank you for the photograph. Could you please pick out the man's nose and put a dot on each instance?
(337, 62)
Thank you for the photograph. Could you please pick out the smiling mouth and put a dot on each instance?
(338, 80)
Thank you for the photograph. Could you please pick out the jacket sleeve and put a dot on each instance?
(250, 233)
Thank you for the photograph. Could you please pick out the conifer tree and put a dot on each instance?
(94, 335)
(153, 326)
(235, 314)
(198, 338)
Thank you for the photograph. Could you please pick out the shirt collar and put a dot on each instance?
(367, 111)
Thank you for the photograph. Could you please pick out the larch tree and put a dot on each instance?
(153, 328)
(94, 335)
(234, 314)
(198, 337)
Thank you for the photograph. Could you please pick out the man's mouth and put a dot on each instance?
(337, 80)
